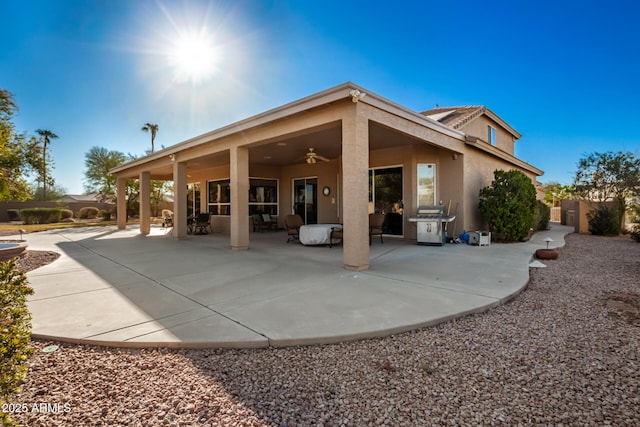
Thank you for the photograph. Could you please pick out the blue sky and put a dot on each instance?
(565, 74)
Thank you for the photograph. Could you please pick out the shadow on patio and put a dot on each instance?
(124, 289)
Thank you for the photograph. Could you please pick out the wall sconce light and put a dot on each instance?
(172, 157)
(356, 95)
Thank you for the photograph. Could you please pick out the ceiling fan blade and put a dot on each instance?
(324, 159)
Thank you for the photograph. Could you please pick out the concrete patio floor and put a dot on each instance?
(120, 288)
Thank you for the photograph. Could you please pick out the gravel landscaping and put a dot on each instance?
(563, 352)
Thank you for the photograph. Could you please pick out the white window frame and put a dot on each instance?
(491, 135)
(435, 186)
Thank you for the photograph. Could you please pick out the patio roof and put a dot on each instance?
(273, 151)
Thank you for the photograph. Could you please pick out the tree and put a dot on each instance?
(508, 205)
(99, 161)
(149, 127)
(13, 152)
(46, 136)
(54, 192)
(609, 177)
(554, 193)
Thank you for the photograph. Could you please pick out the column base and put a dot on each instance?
(356, 267)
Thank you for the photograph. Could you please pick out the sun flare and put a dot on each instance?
(194, 57)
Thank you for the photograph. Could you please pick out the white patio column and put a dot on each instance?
(145, 202)
(180, 200)
(121, 202)
(355, 189)
(239, 160)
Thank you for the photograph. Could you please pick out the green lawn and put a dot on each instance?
(14, 228)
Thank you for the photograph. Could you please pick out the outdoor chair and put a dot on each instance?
(336, 233)
(201, 224)
(270, 221)
(293, 224)
(258, 223)
(375, 225)
(167, 218)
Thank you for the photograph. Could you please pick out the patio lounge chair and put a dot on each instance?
(167, 218)
(270, 221)
(201, 224)
(293, 224)
(258, 223)
(375, 225)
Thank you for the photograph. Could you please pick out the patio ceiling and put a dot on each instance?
(326, 142)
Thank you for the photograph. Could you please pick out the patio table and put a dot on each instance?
(317, 234)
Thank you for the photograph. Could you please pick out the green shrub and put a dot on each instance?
(541, 216)
(105, 215)
(635, 232)
(604, 221)
(14, 214)
(508, 205)
(40, 215)
(66, 213)
(88, 212)
(15, 332)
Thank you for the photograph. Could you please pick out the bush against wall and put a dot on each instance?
(15, 332)
(508, 205)
(66, 213)
(88, 213)
(40, 215)
(541, 216)
(14, 214)
(604, 221)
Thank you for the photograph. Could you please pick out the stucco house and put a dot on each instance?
(332, 157)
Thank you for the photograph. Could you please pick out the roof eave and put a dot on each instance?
(336, 93)
(473, 142)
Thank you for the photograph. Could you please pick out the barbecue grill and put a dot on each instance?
(429, 221)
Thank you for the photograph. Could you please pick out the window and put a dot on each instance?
(491, 135)
(263, 196)
(193, 199)
(426, 184)
(220, 197)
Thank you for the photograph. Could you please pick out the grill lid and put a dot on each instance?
(425, 211)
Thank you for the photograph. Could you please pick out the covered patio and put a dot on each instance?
(353, 132)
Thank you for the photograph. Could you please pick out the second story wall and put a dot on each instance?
(480, 129)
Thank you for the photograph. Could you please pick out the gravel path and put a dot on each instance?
(564, 352)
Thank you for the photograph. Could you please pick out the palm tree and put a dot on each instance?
(46, 136)
(149, 127)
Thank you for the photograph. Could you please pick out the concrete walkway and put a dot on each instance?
(123, 289)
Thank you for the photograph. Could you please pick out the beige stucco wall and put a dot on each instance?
(479, 128)
(327, 175)
(479, 167)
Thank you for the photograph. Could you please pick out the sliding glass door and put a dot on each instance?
(305, 199)
(385, 196)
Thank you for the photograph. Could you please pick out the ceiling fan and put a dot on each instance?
(312, 157)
